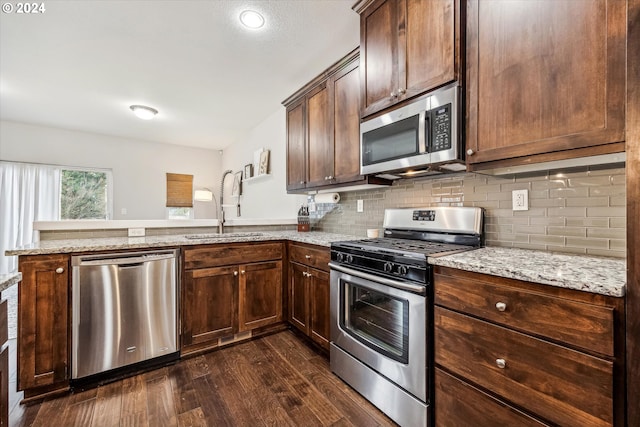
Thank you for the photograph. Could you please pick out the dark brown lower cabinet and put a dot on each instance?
(210, 298)
(43, 328)
(309, 309)
(222, 297)
(517, 353)
(460, 404)
(260, 295)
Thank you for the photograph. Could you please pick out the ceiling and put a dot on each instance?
(81, 64)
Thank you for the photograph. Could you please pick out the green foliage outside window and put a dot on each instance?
(83, 195)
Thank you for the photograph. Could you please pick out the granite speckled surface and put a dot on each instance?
(121, 243)
(605, 276)
(8, 280)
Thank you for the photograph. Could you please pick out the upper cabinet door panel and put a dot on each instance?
(296, 155)
(431, 40)
(379, 41)
(319, 128)
(346, 121)
(544, 76)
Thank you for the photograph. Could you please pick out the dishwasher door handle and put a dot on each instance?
(133, 259)
(133, 265)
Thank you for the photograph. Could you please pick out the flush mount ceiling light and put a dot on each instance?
(144, 112)
(251, 19)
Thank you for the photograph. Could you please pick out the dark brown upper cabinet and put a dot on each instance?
(408, 47)
(545, 80)
(323, 130)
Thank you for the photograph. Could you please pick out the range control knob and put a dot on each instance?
(340, 257)
(349, 258)
(388, 267)
(402, 270)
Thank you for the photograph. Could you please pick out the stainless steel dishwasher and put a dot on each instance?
(124, 310)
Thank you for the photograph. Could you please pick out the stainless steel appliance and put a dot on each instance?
(124, 310)
(381, 306)
(417, 139)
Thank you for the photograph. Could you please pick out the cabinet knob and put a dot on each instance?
(401, 91)
(59, 270)
(309, 275)
(307, 256)
(330, 177)
(305, 274)
(393, 94)
(501, 306)
(301, 182)
(470, 152)
(242, 271)
(501, 363)
(235, 273)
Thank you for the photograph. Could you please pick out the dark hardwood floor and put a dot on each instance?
(276, 380)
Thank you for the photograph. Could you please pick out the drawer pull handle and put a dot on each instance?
(307, 256)
(59, 270)
(501, 306)
(501, 363)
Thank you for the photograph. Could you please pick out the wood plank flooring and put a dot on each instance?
(276, 380)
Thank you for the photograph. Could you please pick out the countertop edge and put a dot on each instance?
(468, 261)
(8, 280)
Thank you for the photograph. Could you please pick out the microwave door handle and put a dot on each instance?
(423, 124)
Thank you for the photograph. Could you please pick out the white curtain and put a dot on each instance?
(28, 193)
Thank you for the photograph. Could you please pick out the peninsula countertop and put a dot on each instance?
(122, 243)
(600, 275)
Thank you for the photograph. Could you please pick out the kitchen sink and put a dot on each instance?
(221, 236)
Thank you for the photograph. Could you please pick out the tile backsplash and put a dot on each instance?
(581, 211)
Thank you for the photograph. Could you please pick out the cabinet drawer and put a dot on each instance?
(219, 255)
(458, 403)
(314, 257)
(584, 325)
(561, 385)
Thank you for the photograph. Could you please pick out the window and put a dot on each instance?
(85, 194)
(179, 213)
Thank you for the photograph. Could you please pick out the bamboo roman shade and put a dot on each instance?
(179, 190)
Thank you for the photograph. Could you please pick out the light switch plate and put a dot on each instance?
(520, 200)
(360, 205)
(136, 232)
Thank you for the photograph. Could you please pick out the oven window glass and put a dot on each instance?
(393, 141)
(377, 320)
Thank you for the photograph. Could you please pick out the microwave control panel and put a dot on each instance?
(440, 128)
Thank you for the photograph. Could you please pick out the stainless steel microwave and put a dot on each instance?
(413, 137)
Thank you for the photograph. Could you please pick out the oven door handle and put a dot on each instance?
(416, 289)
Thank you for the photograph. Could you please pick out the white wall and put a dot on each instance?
(265, 197)
(139, 167)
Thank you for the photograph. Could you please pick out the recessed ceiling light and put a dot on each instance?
(144, 112)
(251, 19)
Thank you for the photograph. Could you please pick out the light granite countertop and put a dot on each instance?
(8, 280)
(121, 243)
(605, 276)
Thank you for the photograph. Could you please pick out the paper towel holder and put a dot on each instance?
(327, 198)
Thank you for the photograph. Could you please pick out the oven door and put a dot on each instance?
(382, 323)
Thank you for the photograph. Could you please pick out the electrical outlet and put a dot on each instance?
(520, 200)
(136, 232)
(360, 205)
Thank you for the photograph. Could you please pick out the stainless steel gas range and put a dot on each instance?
(382, 306)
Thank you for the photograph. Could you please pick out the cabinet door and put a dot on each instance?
(346, 122)
(43, 321)
(544, 77)
(319, 319)
(298, 297)
(296, 152)
(260, 295)
(431, 53)
(320, 141)
(380, 55)
(209, 304)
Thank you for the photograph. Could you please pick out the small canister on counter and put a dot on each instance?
(303, 219)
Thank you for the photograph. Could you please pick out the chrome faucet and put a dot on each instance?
(221, 216)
